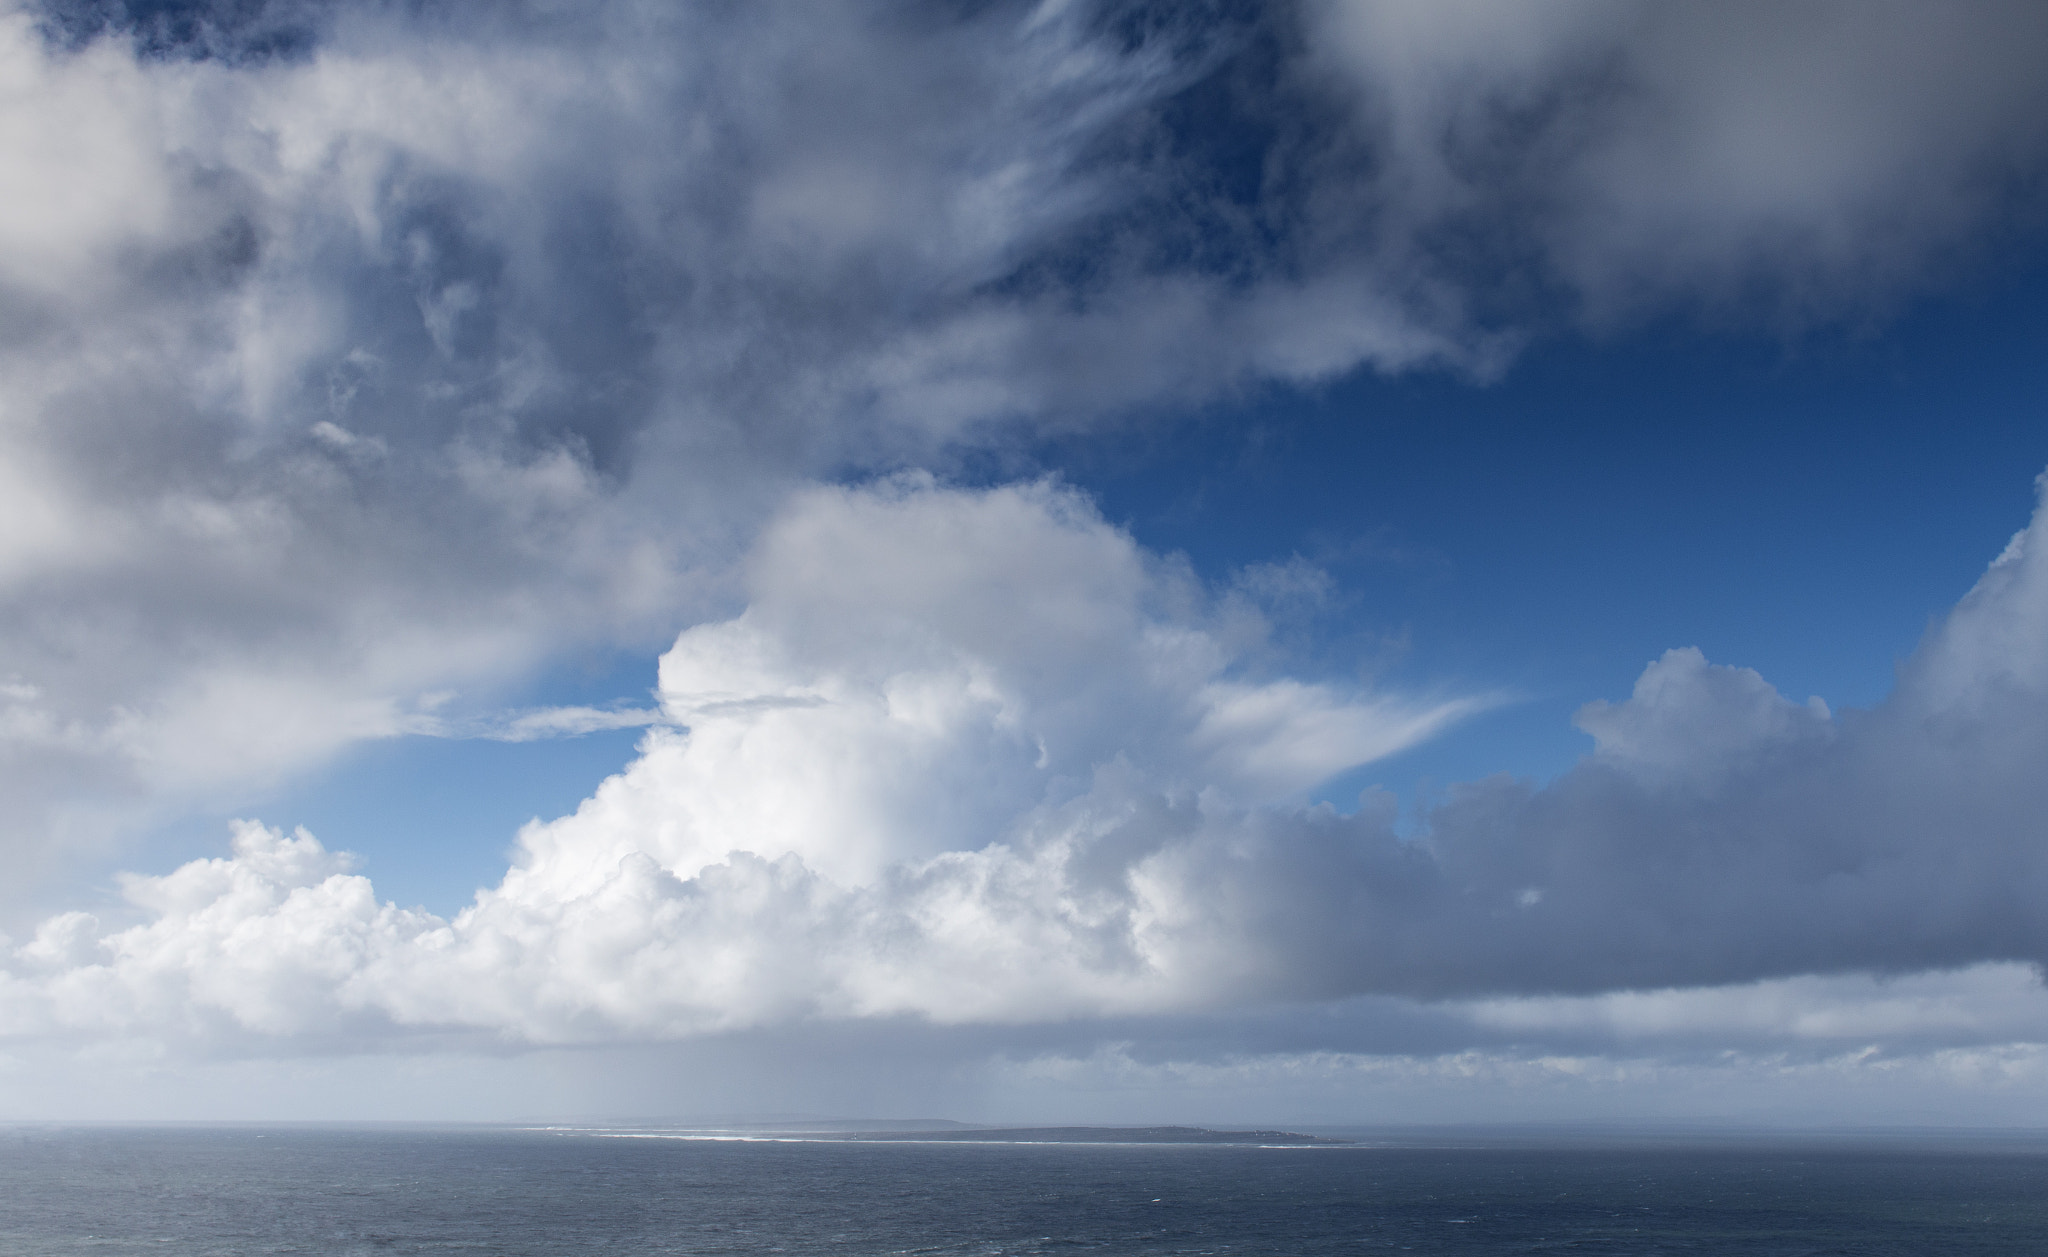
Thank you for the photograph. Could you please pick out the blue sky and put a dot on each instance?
(1029, 561)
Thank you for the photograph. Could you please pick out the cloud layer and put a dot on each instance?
(1025, 777)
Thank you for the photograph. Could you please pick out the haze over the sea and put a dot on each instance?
(1084, 562)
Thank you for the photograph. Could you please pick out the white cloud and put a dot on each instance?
(965, 757)
(1690, 721)
(540, 723)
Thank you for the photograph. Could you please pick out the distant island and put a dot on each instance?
(929, 1130)
(1093, 1135)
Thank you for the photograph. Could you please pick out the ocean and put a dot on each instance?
(205, 1191)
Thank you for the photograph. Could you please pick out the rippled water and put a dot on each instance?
(333, 1191)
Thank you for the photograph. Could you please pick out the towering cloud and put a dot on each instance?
(965, 755)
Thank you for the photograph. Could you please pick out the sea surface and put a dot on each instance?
(201, 1191)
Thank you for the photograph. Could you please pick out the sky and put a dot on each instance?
(1323, 563)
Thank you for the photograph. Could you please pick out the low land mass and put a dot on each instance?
(1096, 1135)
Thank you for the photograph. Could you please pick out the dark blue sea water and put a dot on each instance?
(204, 1191)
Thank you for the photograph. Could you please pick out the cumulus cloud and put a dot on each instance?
(1013, 782)
(966, 756)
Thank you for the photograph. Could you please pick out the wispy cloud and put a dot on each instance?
(541, 723)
